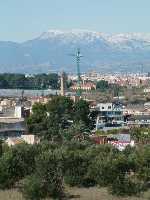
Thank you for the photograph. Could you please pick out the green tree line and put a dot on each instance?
(104, 86)
(21, 81)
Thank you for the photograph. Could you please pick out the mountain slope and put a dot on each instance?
(52, 49)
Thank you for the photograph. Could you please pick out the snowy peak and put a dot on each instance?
(121, 38)
(93, 35)
(74, 33)
(101, 51)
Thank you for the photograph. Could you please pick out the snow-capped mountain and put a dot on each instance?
(90, 36)
(52, 49)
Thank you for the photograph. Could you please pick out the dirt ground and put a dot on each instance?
(77, 194)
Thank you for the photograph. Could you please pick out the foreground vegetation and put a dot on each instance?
(43, 170)
(66, 157)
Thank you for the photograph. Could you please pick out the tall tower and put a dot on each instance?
(78, 57)
(62, 82)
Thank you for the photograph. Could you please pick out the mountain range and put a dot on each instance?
(51, 51)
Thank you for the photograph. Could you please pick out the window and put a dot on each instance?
(118, 113)
(102, 108)
(109, 107)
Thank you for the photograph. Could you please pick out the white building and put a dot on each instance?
(11, 141)
(19, 111)
(29, 139)
(110, 116)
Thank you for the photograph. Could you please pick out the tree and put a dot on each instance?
(1, 147)
(47, 180)
(62, 107)
(125, 177)
(53, 80)
(37, 122)
(75, 167)
(49, 120)
(81, 112)
(39, 81)
(16, 163)
(141, 157)
(77, 131)
(57, 115)
(33, 188)
(6, 175)
(60, 111)
(125, 186)
(100, 164)
(102, 85)
(140, 135)
(116, 89)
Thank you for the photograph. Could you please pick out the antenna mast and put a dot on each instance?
(78, 57)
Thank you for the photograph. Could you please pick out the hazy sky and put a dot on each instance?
(25, 19)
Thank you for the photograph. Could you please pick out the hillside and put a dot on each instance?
(52, 49)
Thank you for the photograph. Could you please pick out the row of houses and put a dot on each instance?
(110, 116)
(120, 79)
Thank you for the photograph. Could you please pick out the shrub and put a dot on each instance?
(75, 167)
(124, 186)
(33, 188)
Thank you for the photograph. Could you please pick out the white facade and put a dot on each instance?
(147, 90)
(6, 102)
(29, 139)
(105, 107)
(18, 112)
(14, 141)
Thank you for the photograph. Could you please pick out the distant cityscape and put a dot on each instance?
(121, 100)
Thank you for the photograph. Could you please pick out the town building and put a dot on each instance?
(84, 86)
(110, 116)
(28, 139)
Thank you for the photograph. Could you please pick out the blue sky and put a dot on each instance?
(25, 19)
